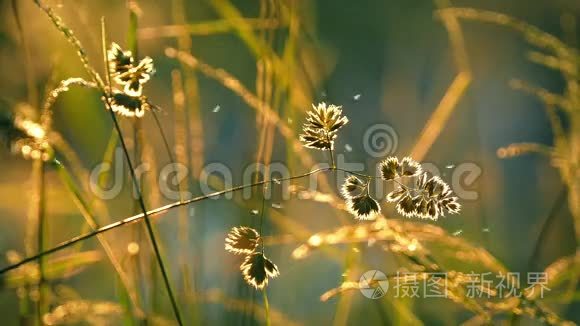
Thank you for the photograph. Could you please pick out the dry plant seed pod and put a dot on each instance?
(409, 167)
(434, 200)
(406, 206)
(242, 240)
(352, 187)
(129, 106)
(133, 79)
(358, 200)
(322, 124)
(119, 61)
(130, 102)
(364, 207)
(392, 169)
(256, 269)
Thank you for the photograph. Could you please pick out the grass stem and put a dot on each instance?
(153, 212)
(135, 182)
(266, 306)
(39, 166)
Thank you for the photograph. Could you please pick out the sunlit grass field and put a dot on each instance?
(286, 162)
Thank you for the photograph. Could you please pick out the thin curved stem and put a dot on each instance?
(356, 173)
(153, 212)
(266, 306)
(558, 203)
(41, 223)
(148, 224)
(402, 185)
(332, 164)
(167, 149)
(166, 208)
(135, 182)
(262, 216)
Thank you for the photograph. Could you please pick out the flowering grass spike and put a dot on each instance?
(129, 106)
(322, 124)
(392, 169)
(130, 102)
(358, 200)
(431, 199)
(242, 240)
(255, 268)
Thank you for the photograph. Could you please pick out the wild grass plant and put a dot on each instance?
(121, 80)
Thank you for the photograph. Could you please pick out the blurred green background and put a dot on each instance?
(385, 62)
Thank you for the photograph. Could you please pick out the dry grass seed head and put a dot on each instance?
(256, 269)
(242, 240)
(406, 206)
(352, 187)
(322, 124)
(326, 117)
(129, 106)
(363, 207)
(392, 168)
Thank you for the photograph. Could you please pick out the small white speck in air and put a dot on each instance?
(254, 212)
(457, 233)
(217, 109)
(348, 148)
(276, 205)
(356, 97)
(276, 181)
(450, 166)
(355, 249)
(485, 230)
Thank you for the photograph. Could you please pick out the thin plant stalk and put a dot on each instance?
(153, 212)
(188, 122)
(134, 179)
(108, 158)
(266, 306)
(41, 220)
(138, 142)
(167, 149)
(29, 68)
(261, 232)
(205, 28)
(168, 207)
(85, 211)
(181, 149)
